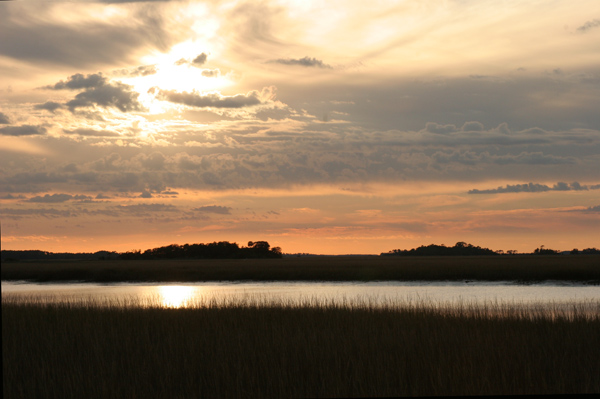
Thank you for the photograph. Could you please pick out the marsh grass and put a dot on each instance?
(523, 268)
(251, 347)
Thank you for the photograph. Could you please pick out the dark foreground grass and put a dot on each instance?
(79, 350)
(523, 268)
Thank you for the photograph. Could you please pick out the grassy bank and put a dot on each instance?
(232, 350)
(581, 268)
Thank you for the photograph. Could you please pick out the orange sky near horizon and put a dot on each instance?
(320, 127)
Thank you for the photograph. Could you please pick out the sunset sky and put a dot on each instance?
(332, 127)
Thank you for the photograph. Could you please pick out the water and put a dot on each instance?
(378, 293)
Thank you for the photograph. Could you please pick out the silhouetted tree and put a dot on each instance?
(591, 251)
(545, 251)
(213, 250)
(461, 248)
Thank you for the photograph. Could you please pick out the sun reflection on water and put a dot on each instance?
(175, 296)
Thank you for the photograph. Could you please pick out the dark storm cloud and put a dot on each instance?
(305, 62)
(23, 130)
(98, 90)
(589, 25)
(221, 210)
(49, 106)
(196, 99)
(37, 38)
(4, 119)
(55, 198)
(536, 188)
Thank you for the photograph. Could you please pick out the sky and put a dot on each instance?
(331, 127)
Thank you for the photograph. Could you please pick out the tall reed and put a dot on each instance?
(249, 348)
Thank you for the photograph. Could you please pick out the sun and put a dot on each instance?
(175, 296)
(176, 71)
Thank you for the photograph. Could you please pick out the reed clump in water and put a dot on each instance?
(250, 348)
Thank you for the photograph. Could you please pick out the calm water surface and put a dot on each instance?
(178, 295)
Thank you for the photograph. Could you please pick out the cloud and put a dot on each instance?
(210, 100)
(56, 198)
(37, 33)
(98, 90)
(593, 209)
(10, 197)
(221, 210)
(536, 188)
(46, 212)
(272, 154)
(199, 60)
(433, 127)
(589, 25)
(211, 73)
(527, 158)
(146, 194)
(305, 62)
(143, 70)
(117, 95)
(92, 133)
(472, 127)
(49, 106)
(80, 81)
(145, 209)
(4, 119)
(23, 130)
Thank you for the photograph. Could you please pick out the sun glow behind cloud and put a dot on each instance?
(388, 114)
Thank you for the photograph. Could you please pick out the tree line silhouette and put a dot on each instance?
(214, 250)
(261, 249)
(461, 248)
(11, 255)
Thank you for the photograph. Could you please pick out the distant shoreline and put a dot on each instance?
(524, 269)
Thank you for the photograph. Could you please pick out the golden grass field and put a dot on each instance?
(522, 268)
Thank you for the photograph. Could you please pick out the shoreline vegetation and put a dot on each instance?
(262, 250)
(86, 349)
(523, 269)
